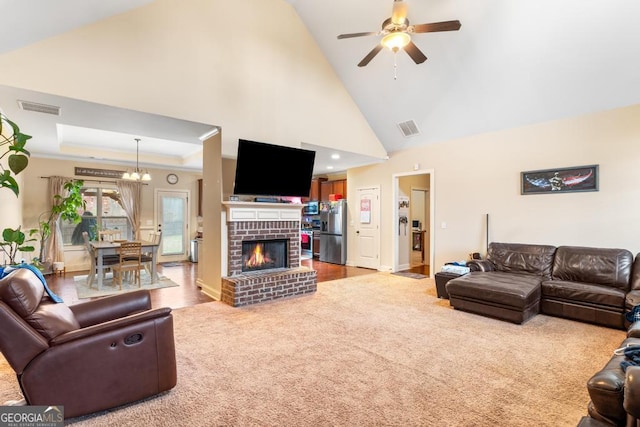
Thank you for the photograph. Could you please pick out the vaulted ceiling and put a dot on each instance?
(512, 63)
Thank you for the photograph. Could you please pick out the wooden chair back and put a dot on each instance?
(130, 254)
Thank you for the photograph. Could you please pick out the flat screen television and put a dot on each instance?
(273, 170)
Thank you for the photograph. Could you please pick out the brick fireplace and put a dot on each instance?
(251, 225)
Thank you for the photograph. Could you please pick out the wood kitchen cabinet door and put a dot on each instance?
(339, 186)
(314, 193)
(325, 189)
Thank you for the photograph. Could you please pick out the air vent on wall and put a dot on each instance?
(39, 108)
(409, 128)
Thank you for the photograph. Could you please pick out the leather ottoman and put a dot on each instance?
(513, 297)
(441, 281)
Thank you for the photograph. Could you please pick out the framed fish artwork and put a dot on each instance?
(562, 180)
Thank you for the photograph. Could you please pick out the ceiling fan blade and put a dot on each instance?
(415, 53)
(437, 26)
(399, 13)
(370, 55)
(348, 36)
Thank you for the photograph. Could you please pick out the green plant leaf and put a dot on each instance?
(18, 163)
(26, 249)
(7, 181)
(13, 236)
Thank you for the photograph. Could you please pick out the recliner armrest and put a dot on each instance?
(632, 391)
(480, 265)
(634, 330)
(112, 307)
(110, 325)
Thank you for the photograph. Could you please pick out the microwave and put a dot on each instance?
(311, 208)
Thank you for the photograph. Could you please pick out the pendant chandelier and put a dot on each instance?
(137, 174)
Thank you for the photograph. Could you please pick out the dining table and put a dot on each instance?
(102, 248)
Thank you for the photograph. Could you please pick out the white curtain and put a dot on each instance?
(53, 245)
(130, 192)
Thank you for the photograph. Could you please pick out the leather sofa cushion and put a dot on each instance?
(509, 289)
(635, 274)
(522, 258)
(52, 319)
(22, 291)
(602, 266)
(588, 293)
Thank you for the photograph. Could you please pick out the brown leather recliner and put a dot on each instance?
(87, 357)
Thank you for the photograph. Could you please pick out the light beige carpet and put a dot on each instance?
(111, 288)
(374, 350)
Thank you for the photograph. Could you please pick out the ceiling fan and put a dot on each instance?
(396, 32)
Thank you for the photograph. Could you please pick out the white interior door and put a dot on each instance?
(172, 211)
(367, 222)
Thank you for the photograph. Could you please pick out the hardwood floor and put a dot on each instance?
(422, 269)
(184, 274)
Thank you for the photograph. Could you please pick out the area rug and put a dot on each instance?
(410, 275)
(371, 350)
(110, 288)
(172, 264)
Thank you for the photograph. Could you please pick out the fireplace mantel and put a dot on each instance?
(254, 211)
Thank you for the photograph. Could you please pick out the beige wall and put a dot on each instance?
(11, 209)
(480, 174)
(35, 202)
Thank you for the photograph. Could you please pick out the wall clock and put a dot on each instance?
(172, 178)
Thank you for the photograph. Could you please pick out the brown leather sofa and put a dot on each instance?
(615, 395)
(87, 357)
(518, 281)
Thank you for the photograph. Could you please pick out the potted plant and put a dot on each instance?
(14, 242)
(12, 143)
(12, 147)
(65, 208)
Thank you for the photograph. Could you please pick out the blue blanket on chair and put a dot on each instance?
(6, 270)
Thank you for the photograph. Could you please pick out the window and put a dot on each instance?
(103, 212)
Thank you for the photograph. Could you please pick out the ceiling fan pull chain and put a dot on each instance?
(395, 66)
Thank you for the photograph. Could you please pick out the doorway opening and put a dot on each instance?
(413, 215)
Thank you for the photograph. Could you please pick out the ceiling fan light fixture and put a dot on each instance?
(396, 40)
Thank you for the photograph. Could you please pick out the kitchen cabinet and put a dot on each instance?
(314, 192)
(338, 186)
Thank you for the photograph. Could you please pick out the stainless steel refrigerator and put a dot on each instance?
(333, 229)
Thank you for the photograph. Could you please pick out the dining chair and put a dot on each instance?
(147, 257)
(130, 254)
(107, 260)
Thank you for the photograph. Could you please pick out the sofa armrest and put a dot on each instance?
(109, 308)
(111, 325)
(632, 391)
(634, 330)
(480, 265)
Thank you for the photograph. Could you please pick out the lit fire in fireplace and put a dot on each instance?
(257, 258)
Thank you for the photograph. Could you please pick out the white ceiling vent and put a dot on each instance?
(409, 128)
(39, 108)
